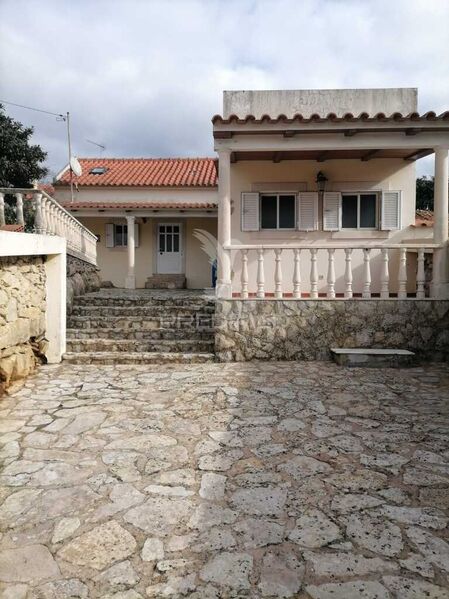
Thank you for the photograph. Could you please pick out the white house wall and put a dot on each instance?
(137, 194)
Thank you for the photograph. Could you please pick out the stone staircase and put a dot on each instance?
(117, 326)
(159, 281)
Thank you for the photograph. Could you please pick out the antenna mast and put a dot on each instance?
(67, 119)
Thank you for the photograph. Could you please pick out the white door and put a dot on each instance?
(169, 249)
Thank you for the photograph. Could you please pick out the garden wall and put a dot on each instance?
(307, 329)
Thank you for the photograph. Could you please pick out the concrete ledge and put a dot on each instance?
(372, 357)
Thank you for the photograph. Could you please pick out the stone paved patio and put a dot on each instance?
(238, 480)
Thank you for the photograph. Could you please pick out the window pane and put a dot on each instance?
(368, 210)
(125, 234)
(169, 238)
(169, 228)
(349, 212)
(162, 228)
(176, 243)
(269, 212)
(118, 235)
(175, 228)
(161, 242)
(287, 212)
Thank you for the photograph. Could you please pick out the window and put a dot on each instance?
(359, 211)
(277, 211)
(169, 238)
(121, 235)
(98, 170)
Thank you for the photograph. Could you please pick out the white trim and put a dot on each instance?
(61, 172)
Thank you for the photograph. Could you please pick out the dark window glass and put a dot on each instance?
(118, 235)
(286, 212)
(349, 212)
(162, 243)
(169, 245)
(175, 228)
(269, 212)
(125, 234)
(169, 228)
(368, 211)
(176, 243)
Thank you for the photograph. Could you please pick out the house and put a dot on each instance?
(144, 212)
(315, 198)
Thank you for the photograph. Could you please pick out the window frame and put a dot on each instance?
(123, 227)
(278, 194)
(359, 194)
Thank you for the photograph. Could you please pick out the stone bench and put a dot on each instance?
(372, 358)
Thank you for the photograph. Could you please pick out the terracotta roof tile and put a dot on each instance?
(146, 172)
(138, 205)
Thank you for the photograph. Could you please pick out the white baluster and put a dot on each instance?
(313, 274)
(2, 209)
(420, 276)
(331, 274)
(260, 275)
(278, 274)
(38, 223)
(348, 273)
(297, 274)
(244, 277)
(366, 293)
(19, 209)
(384, 275)
(402, 276)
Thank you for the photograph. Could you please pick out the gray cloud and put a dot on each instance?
(145, 77)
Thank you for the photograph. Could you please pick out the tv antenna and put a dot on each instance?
(103, 147)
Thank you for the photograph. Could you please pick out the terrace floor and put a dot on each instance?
(303, 480)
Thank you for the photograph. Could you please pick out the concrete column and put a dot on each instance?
(440, 286)
(55, 315)
(224, 289)
(131, 276)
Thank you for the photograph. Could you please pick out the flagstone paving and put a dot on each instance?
(302, 480)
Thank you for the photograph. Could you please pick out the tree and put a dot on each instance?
(20, 162)
(424, 193)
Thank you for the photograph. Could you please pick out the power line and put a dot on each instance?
(35, 109)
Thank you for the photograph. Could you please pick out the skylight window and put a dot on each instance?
(98, 170)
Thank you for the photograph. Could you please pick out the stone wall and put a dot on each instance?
(22, 316)
(81, 278)
(306, 329)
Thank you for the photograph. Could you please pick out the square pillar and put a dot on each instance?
(440, 283)
(130, 282)
(224, 288)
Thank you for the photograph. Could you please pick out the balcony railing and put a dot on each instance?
(34, 211)
(332, 271)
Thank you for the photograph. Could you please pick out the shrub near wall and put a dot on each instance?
(22, 316)
(307, 329)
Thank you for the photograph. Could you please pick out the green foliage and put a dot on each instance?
(20, 162)
(424, 193)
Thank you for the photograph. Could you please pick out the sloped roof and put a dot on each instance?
(145, 172)
(139, 205)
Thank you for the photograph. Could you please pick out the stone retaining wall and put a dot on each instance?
(22, 316)
(306, 329)
(82, 277)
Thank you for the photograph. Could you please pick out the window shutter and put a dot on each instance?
(308, 210)
(332, 211)
(109, 235)
(250, 211)
(391, 210)
(136, 235)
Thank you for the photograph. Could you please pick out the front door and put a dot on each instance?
(169, 249)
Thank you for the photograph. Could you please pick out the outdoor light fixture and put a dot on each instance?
(321, 181)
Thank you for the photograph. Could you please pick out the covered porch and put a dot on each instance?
(320, 256)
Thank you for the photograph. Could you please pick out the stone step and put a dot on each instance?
(178, 301)
(160, 281)
(140, 334)
(191, 322)
(137, 358)
(372, 357)
(146, 311)
(125, 345)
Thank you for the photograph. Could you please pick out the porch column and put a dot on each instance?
(440, 287)
(224, 224)
(131, 276)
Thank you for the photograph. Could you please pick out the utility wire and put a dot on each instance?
(35, 109)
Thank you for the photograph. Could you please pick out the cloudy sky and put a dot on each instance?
(144, 77)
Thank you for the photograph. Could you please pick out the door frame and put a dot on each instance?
(182, 242)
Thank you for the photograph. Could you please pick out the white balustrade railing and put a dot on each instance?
(382, 271)
(50, 218)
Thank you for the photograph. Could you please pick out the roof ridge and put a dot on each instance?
(168, 159)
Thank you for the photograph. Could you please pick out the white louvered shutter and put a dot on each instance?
(250, 211)
(136, 235)
(109, 235)
(332, 211)
(308, 210)
(391, 210)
